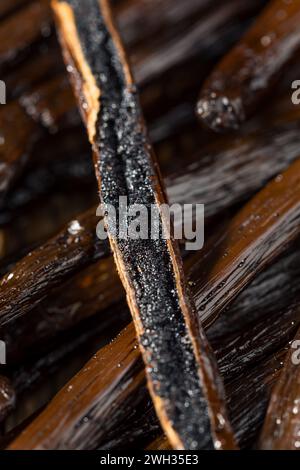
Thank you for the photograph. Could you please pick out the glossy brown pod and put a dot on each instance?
(258, 233)
(14, 152)
(281, 430)
(261, 321)
(182, 376)
(45, 100)
(160, 443)
(248, 232)
(26, 26)
(7, 398)
(118, 368)
(262, 229)
(246, 74)
(98, 377)
(9, 6)
(33, 276)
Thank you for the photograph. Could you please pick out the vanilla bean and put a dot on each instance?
(7, 398)
(46, 267)
(14, 153)
(83, 340)
(119, 368)
(284, 322)
(235, 354)
(274, 290)
(88, 293)
(200, 40)
(44, 108)
(248, 306)
(29, 116)
(156, 18)
(242, 167)
(8, 7)
(96, 376)
(50, 104)
(22, 29)
(256, 236)
(160, 443)
(92, 46)
(26, 229)
(97, 288)
(248, 397)
(42, 64)
(281, 430)
(220, 175)
(10, 436)
(244, 76)
(259, 340)
(230, 170)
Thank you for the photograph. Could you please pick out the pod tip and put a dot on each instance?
(220, 113)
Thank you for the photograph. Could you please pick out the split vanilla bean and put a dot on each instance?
(119, 368)
(31, 72)
(150, 269)
(277, 204)
(246, 74)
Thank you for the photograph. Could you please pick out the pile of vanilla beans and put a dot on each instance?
(210, 359)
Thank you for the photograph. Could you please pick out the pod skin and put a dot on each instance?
(7, 398)
(182, 375)
(281, 430)
(246, 74)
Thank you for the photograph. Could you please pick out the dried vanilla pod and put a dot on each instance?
(281, 430)
(21, 81)
(246, 74)
(160, 443)
(178, 359)
(255, 386)
(256, 235)
(46, 267)
(201, 39)
(26, 26)
(246, 163)
(7, 398)
(14, 153)
(245, 160)
(75, 423)
(275, 289)
(42, 101)
(8, 7)
(118, 367)
(270, 329)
